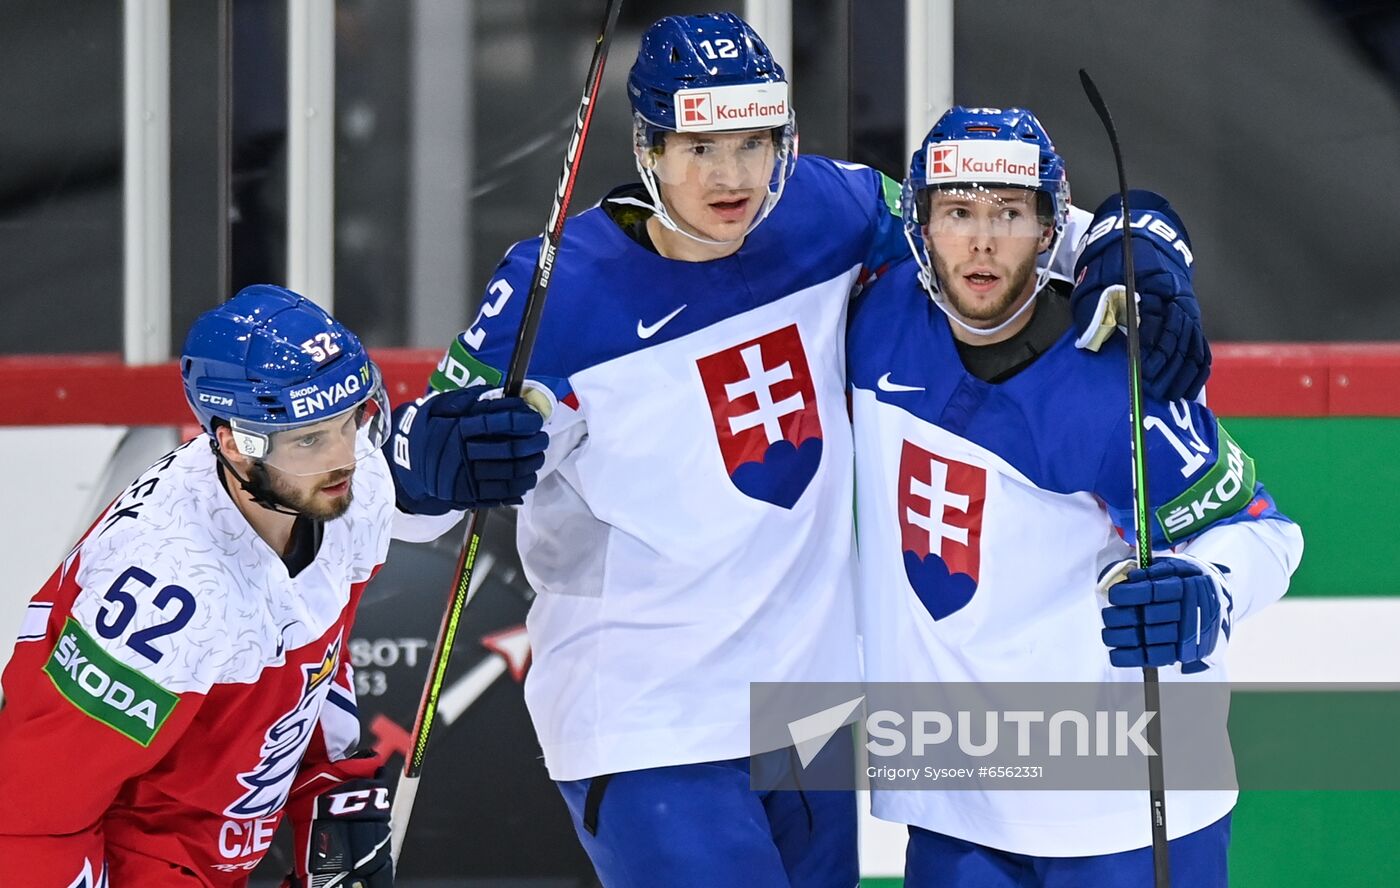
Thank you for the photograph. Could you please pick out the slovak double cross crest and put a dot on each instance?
(764, 407)
(940, 523)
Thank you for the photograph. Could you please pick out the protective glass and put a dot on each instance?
(326, 445)
(976, 211)
(714, 160)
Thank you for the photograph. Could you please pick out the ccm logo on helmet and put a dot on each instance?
(358, 800)
(216, 400)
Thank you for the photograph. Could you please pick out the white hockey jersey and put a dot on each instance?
(691, 531)
(985, 512)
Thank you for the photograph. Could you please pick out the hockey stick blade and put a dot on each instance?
(463, 589)
(1156, 782)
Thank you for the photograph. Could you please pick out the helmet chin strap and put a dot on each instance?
(259, 493)
(663, 215)
(942, 304)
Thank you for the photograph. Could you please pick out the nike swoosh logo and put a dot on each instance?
(646, 332)
(884, 385)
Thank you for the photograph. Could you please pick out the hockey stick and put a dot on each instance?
(462, 590)
(1156, 784)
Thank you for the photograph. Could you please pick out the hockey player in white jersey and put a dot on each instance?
(994, 483)
(692, 530)
(183, 679)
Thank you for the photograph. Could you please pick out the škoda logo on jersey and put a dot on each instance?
(940, 525)
(110, 691)
(764, 408)
(285, 743)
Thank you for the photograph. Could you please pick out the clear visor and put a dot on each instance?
(326, 445)
(979, 211)
(715, 161)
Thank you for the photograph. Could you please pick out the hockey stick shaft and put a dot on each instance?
(1142, 518)
(514, 381)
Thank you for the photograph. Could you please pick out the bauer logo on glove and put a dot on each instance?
(1175, 355)
(465, 449)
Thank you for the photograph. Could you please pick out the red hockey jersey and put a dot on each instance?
(173, 686)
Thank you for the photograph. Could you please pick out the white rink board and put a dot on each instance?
(50, 477)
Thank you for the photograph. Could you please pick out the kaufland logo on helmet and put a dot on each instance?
(992, 161)
(695, 110)
(942, 161)
(724, 108)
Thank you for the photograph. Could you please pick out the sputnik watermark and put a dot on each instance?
(985, 736)
(811, 733)
(1110, 734)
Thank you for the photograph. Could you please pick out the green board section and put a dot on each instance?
(1305, 840)
(1334, 477)
(1299, 739)
(1336, 839)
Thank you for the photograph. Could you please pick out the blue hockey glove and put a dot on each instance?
(348, 843)
(1175, 353)
(460, 450)
(1168, 613)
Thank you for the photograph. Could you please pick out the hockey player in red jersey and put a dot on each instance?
(183, 679)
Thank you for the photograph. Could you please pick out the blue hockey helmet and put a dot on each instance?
(699, 52)
(272, 365)
(973, 150)
(708, 73)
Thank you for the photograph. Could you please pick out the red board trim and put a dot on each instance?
(1305, 379)
(98, 389)
(1249, 379)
